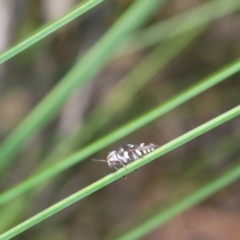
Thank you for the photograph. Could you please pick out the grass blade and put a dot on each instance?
(131, 167)
(68, 144)
(183, 205)
(118, 134)
(49, 28)
(92, 62)
(181, 23)
(113, 104)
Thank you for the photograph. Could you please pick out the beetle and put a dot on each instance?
(126, 154)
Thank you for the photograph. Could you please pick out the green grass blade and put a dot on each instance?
(118, 134)
(181, 23)
(49, 28)
(113, 104)
(147, 67)
(183, 205)
(209, 157)
(85, 69)
(131, 167)
(135, 79)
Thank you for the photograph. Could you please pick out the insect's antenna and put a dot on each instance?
(99, 160)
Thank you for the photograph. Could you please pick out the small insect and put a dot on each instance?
(126, 154)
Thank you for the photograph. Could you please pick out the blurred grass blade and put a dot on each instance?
(181, 23)
(147, 68)
(118, 134)
(49, 28)
(16, 208)
(190, 201)
(113, 104)
(210, 157)
(85, 69)
(162, 55)
(135, 165)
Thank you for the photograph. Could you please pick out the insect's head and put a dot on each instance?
(111, 159)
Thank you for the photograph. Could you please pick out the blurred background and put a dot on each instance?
(184, 42)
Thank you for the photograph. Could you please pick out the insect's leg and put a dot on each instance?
(115, 168)
(122, 163)
(118, 162)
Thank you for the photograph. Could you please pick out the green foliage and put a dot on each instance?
(185, 204)
(123, 131)
(90, 65)
(49, 28)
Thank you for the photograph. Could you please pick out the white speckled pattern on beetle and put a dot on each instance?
(127, 154)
